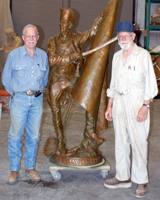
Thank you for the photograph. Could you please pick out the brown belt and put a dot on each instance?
(30, 92)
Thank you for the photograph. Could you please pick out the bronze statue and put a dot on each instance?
(66, 63)
(14, 42)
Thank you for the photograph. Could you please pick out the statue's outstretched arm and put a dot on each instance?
(85, 37)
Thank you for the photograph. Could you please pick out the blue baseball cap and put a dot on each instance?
(125, 27)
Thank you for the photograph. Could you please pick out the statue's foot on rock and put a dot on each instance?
(72, 151)
(97, 138)
(59, 152)
(60, 149)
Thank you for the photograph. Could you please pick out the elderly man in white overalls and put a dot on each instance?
(133, 86)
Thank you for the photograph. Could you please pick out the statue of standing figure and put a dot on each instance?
(65, 59)
(14, 42)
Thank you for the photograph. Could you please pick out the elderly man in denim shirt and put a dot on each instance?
(25, 76)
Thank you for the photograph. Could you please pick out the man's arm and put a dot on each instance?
(150, 87)
(46, 73)
(7, 74)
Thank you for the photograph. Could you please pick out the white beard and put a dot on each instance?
(126, 47)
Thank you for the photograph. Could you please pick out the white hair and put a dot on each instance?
(29, 25)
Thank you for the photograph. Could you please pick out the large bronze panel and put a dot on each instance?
(90, 88)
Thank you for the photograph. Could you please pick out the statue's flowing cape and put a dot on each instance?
(90, 89)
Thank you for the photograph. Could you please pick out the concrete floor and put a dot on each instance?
(76, 184)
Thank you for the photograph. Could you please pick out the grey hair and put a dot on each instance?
(29, 25)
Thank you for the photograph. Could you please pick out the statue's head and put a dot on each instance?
(66, 18)
(10, 33)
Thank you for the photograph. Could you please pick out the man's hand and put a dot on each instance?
(108, 114)
(142, 114)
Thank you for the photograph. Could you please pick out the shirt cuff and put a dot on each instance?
(110, 93)
(149, 97)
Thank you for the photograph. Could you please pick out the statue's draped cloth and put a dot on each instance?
(90, 89)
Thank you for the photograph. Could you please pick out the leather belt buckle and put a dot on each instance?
(125, 92)
(30, 92)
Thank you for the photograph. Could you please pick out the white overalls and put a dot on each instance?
(131, 84)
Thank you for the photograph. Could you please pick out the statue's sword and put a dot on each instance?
(99, 47)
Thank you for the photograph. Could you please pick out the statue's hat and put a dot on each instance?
(67, 14)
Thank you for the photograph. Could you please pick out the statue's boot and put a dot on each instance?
(60, 147)
(57, 123)
(97, 138)
(89, 129)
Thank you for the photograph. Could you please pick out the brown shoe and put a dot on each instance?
(13, 177)
(33, 175)
(114, 183)
(141, 190)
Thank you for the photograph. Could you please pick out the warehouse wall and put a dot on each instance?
(45, 15)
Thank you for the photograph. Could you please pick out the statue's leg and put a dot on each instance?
(89, 123)
(89, 129)
(54, 102)
(55, 91)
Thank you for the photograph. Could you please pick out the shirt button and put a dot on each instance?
(32, 83)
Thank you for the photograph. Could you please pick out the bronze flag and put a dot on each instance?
(90, 89)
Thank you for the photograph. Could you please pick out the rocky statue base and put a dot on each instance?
(76, 161)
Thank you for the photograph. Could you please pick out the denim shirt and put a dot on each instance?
(23, 72)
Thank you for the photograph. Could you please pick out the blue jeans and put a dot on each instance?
(26, 112)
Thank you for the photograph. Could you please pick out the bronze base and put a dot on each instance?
(75, 161)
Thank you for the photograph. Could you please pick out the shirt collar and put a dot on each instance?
(135, 49)
(24, 50)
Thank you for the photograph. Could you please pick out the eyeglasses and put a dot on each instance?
(31, 36)
(126, 37)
